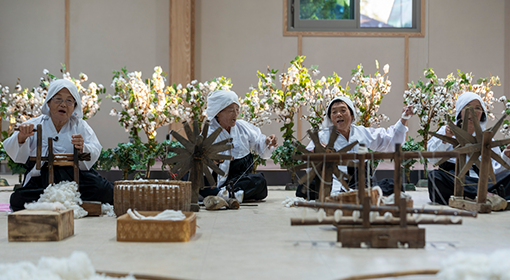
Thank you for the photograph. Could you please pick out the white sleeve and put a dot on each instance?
(258, 145)
(18, 152)
(384, 139)
(498, 168)
(435, 144)
(91, 145)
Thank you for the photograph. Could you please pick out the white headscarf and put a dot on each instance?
(327, 120)
(219, 100)
(464, 100)
(54, 88)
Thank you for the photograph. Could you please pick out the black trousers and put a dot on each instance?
(92, 186)
(253, 185)
(312, 193)
(441, 185)
(241, 176)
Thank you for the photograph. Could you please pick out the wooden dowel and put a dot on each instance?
(392, 209)
(377, 221)
(335, 157)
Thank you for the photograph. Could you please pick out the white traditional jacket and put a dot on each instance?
(61, 142)
(436, 144)
(376, 139)
(245, 138)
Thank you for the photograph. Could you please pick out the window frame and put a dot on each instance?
(353, 28)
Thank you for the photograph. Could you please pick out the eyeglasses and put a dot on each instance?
(58, 101)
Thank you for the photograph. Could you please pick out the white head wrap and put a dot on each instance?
(463, 100)
(219, 100)
(54, 88)
(327, 120)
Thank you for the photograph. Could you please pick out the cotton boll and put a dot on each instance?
(338, 215)
(455, 219)
(388, 217)
(321, 215)
(373, 215)
(355, 215)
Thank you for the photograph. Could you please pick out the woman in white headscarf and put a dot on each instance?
(341, 116)
(62, 121)
(441, 181)
(222, 111)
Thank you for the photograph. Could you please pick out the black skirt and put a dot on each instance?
(92, 186)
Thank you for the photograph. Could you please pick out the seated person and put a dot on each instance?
(61, 120)
(441, 182)
(341, 115)
(222, 111)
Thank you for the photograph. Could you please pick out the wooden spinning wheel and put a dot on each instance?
(320, 168)
(197, 156)
(474, 147)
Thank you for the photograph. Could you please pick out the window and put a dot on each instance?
(353, 17)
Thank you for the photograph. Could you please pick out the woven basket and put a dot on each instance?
(350, 197)
(151, 195)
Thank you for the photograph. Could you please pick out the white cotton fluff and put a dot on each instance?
(167, 215)
(355, 215)
(321, 215)
(77, 267)
(388, 216)
(52, 206)
(464, 265)
(373, 215)
(289, 201)
(338, 215)
(107, 209)
(64, 192)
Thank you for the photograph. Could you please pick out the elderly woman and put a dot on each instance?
(441, 181)
(61, 120)
(341, 116)
(222, 111)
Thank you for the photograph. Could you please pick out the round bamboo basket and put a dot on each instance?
(151, 195)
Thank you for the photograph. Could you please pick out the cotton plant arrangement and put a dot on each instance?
(190, 103)
(322, 92)
(368, 92)
(145, 106)
(434, 98)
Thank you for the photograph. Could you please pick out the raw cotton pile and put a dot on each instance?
(65, 193)
(462, 266)
(167, 215)
(289, 201)
(77, 267)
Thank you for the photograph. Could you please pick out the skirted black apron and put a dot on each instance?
(92, 186)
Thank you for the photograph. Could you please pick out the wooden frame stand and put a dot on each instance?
(400, 230)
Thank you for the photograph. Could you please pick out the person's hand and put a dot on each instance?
(78, 142)
(506, 151)
(25, 130)
(271, 140)
(407, 113)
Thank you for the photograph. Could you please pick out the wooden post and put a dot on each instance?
(76, 165)
(484, 167)
(458, 190)
(322, 188)
(51, 159)
(397, 176)
(39, 147)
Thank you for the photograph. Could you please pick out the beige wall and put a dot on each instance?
(235, 38)
(104, 36)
